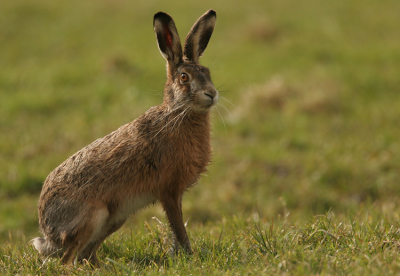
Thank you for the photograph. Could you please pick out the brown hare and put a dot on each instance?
(155, 158)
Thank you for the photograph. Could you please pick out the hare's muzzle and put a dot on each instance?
(209, 98)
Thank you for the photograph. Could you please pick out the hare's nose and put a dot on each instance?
(211, 94)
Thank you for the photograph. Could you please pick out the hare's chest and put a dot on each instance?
(193, 158)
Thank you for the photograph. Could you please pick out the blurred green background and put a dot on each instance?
(309, 120)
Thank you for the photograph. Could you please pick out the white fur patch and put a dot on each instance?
(98, 220)
(135, 204)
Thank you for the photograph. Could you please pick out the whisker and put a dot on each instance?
(218, 88)
(168, 113)
(223, 122)
(230, 114)
(182, 114)
(165, 126)
(212, 64)
(174, 119)
(228, 101)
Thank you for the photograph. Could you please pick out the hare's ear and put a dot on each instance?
(198, 37)
(167, 38)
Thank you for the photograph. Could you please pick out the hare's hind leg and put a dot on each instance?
(87, 233)
(81, 240)
(89, 252)
(68, 253)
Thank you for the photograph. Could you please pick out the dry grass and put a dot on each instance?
(262, 29)
(314, 97)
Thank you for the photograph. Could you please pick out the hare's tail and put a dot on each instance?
(46, 248)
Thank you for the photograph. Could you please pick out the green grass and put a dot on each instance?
(309, 125)
(363, 244)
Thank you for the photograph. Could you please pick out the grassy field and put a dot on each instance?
(325, 245)
(306, 169)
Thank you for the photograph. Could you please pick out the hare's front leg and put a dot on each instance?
(173, 209)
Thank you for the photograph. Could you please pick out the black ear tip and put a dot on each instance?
(162, 16)
(157, 15)
(211, 12)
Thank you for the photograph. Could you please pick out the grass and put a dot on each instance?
(308, 125)
(362, 244)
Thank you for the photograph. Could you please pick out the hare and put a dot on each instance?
(155, 158)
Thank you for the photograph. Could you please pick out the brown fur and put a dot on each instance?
(155, 158)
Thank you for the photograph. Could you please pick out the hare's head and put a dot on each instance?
(189, 84)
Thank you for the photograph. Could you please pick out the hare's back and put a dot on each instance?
(97, 163)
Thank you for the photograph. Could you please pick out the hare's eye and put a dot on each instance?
(184, 77)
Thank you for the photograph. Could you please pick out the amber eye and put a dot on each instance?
(184, 77)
